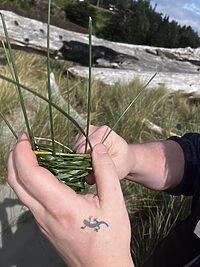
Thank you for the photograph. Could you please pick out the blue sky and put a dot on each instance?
(186, 12)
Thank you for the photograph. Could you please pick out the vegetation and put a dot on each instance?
(37, 9)
(138, 23)
(153, 214)
(78, 12)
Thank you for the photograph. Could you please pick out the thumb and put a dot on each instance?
(107, 180)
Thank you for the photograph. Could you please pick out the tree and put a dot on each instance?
(123, 4)
(79, 12)
(138, 22)
(188, 37)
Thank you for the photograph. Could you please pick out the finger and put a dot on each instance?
(81, 148)
(90, 179)
(22, 194)
(79, 142)
(37, 209)
(38, 181)
(76, 141)
(107, 180)
(96, 136)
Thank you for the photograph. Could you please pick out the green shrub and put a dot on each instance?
(78, 12)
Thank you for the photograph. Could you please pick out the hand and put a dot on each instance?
(87, 230)
(118, 149)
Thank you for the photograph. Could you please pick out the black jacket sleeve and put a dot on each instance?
(182, 246)
(190, 143)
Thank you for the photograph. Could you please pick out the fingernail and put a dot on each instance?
(100, 149)
(24, 136)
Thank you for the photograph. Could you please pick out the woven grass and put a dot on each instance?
(69, 168)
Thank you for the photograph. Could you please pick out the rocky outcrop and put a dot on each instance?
(188, 82)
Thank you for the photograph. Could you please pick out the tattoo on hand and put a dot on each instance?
(93, 223)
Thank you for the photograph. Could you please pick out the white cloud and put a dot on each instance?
(192, 7)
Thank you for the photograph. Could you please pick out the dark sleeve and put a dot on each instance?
(190, 143)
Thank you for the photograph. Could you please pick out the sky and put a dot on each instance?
(185, 12)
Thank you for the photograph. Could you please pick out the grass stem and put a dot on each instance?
(8, 59)
(17, 84)
(129, 106)
(8, 124)
(68, 109)
(53, 105)
(89, 82)
(48, 77)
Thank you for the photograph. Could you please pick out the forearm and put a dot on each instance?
(157, 165)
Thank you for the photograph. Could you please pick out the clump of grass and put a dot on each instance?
(153, 215)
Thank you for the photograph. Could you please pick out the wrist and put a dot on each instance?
(113, 262)
(110, 258)
(132, 159)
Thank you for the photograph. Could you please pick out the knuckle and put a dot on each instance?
(24, 176)
(58, 212)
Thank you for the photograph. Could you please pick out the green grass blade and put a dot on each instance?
(17, 83)
(56, 142)
(89, 82)
(9, 125)
(8, 59)
(48, 78)
(128, 107)
(68, 109)
(53, 105)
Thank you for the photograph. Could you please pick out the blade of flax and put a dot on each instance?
(128, 107)
(48, 78)
(8, 124)
(89, 82)
(17, 84)
(52, 103)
